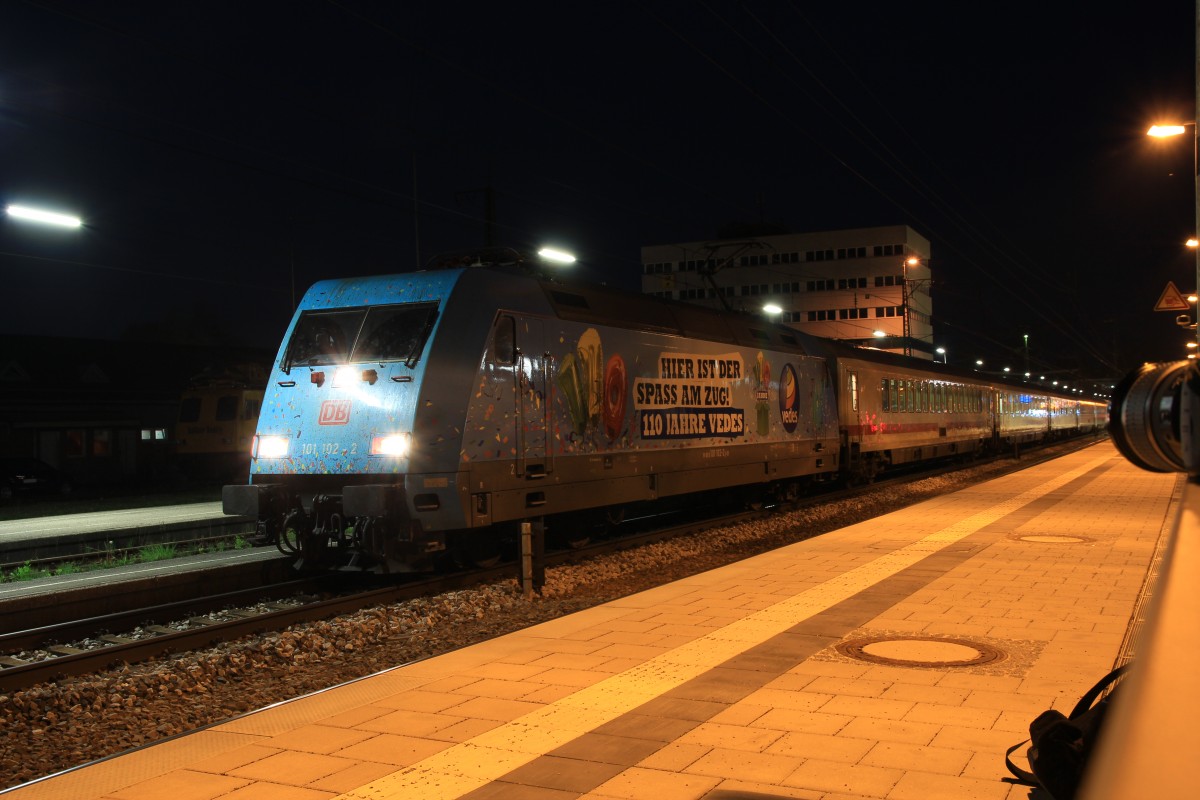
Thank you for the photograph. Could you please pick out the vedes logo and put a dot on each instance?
(789, 398)
(334, 412)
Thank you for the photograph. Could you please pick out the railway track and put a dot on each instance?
(84, 646)
(79, 647)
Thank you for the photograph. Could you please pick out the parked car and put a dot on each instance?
(30, 476)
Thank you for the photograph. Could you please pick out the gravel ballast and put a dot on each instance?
(58, 725)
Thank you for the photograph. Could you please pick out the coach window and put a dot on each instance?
(901, 397)
(854, 391)
(250, 408)
(911, 403)
(504, 341)
(883, 392)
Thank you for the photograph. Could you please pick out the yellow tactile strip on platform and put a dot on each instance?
(470, 765)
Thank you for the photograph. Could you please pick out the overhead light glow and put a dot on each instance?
(1165, 130)
(47, 217)
(771, 308)
(878, 334)
(561, 256)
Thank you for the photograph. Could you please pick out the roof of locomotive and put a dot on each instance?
(598, 304)
(604, 305)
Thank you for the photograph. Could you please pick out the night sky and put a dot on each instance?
(219, 151)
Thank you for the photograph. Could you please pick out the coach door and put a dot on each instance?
(854, 423)
(532, 371)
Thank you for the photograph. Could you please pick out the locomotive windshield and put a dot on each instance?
(373, 333)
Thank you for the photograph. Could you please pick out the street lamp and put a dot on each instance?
(941, 351)
(1162, 131)
(41, 215)
(556, 255)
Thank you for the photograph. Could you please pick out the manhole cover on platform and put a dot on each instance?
(1047, 539)
(920, 651)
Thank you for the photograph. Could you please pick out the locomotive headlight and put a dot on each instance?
(396, 445)
(270, 446)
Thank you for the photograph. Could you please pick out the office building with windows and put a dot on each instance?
(868, 286)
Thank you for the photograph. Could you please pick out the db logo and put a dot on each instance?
(334, 412)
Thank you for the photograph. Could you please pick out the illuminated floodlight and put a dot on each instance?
(271, 446)
(1161, 131)
(1192, 242)
(771, 308)
(878, 334)
(397, 445)
(46, 217)
(559, 256)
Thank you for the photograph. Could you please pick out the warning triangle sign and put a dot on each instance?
(1171, 299)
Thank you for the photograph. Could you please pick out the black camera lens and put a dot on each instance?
(1149, 418)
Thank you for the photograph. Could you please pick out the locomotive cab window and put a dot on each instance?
(323, 337)
(375, 333)
(394, 333)
(227, 407)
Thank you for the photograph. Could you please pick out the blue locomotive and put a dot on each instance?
(414, 415)
(424, 415)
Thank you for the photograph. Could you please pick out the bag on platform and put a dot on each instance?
(1061, 745)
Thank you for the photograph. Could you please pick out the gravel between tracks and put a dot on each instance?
(55, 726)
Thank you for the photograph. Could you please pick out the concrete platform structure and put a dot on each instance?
(896, 659)
(86, 534)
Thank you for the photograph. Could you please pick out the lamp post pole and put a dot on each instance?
(1196, 166)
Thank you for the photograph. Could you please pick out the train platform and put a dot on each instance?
(897, 658)
(92, 533)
